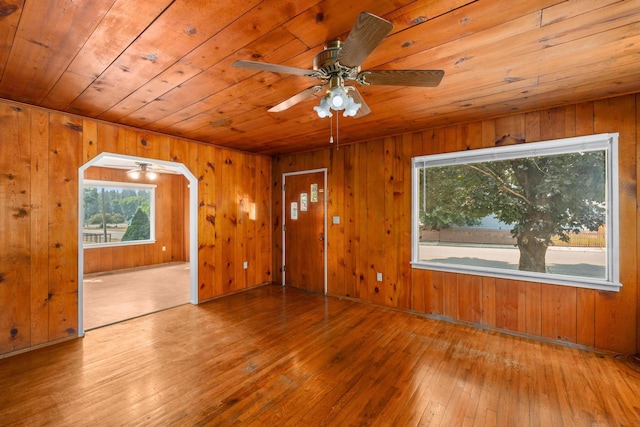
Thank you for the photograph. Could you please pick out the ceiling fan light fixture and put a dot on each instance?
(142, 170)
(351, 108)
(323, 110)
(338, 98)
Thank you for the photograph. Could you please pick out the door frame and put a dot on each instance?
(193, 225)
(284, 220)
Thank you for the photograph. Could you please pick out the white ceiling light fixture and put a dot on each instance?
(142, 170)
(351, 107)
(324, 109)
(337, 98)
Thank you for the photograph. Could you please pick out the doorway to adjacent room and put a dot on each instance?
(114, 291)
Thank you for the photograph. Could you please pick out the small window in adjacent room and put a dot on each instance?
(544, 212)
(117, 213)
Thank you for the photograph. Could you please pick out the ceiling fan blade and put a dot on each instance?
(424, 78)
(367, 33)
(295, 99)
(110, 166)
(274, 68)
(358, 99)
(161, 169)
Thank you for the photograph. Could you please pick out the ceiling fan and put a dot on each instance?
(146, 170)
(339, 62)
(141, 169)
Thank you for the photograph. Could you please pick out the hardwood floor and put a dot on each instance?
(118, 295)
(275, 356)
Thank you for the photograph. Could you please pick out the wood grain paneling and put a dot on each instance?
(47, 47)
(166, 66)
(16, 224)
(39, 226)
(335, 203)
(40, 154)
(348, 218)
(206, 222)
(376, 218)
(65, 154)
(614, 311)
(263, 217)
(226, 201)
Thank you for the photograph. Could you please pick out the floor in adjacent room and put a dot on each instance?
(124, 294)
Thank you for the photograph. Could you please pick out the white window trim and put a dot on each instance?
(152, 211)
(607, 142)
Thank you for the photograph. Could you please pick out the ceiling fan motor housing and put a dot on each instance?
(326, 63)
(328, 56)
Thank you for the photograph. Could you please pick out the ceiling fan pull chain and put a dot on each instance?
(337, 132)
(331, 127)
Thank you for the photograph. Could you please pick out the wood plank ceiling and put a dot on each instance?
(165, 65)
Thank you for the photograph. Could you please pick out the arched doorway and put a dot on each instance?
(124, 162)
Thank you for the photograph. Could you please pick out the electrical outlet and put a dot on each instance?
(379, 277)
(245, 265)
(164, 249)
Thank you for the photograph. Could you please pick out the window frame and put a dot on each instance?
(94, 183)
(607, 142)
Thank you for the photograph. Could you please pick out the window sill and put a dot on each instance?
(552, 279)
(117, 244)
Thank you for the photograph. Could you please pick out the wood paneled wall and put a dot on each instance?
(40, 153)
(172, 232)
(369, 187)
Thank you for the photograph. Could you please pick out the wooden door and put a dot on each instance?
(304, 231)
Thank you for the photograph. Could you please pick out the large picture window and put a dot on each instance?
(117, 213)
(544, 212)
